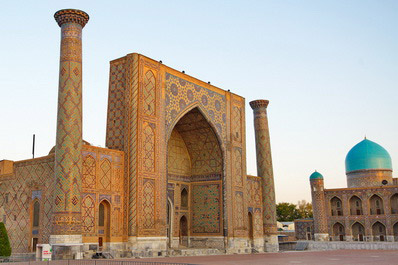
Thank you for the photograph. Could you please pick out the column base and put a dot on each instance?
(321, 237)
(271, 243)
(66, 246)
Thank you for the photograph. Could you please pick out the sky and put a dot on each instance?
(329, 69)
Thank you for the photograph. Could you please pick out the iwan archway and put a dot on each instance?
(195, 183)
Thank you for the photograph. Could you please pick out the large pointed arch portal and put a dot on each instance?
(195, 173)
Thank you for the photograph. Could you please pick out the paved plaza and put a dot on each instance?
(346, 257)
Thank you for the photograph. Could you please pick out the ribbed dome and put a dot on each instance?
(367, 155)
(316, 175)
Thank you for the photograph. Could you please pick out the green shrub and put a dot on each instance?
(5, 248)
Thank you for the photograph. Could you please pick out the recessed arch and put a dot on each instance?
(195, 175)
(336, 206)
(36, 214)
(376, 205)
(183, 231)
(394, 203)
(338, 232)
(104, 220)
(355, 205)
(379, 231)
(184, 198)
(395, 231)
(201, 109)
(358, 231)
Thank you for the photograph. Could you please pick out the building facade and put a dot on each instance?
(365, 211)
(173, 174)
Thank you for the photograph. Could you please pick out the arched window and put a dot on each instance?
(184, 198)
(101, 215)
(376, 205)
(379, 231)
(355, 206)
(358, 232)
(394, 204)
(338, 232)
(36, 214)
(336, 205)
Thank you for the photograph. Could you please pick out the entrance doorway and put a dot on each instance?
(104, 222)
(194, 181)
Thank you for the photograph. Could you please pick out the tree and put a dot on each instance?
(304, 209)
(286, 212)
(5, 248)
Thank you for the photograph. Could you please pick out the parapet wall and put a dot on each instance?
(319, 245)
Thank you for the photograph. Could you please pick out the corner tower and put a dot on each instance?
(265, 171)
(319, 207)
(68, 159)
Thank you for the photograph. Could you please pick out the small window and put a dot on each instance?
(338, 204)
(101, 215)
(7, 198)
(184, 198)
(15, 217)
(308, 229)
(4, 219)
(377, 203)
(357, 203)
(36, 213)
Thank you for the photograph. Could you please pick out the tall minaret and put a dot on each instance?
(264, 170)
(319, 207)
(68, 148)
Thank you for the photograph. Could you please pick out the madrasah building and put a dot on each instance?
(172, 175)
(367, 210)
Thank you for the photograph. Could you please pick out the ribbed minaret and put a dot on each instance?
(319, 207)
(264, 170)
(68, 148)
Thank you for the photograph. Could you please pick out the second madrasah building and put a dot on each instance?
(367, 210)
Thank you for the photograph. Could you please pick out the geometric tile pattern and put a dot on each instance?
(105, 174)
(68, 158)
(181, 94)
(16, 201)
(88, 215)
(149, 148)
(264, 164)
(89, 174)
(237, 122)
(206, 212)
(238, 166)
(201, 142)
(238, 206)
(116, 107)
(149, 93)
(148, 203)
(131, 150)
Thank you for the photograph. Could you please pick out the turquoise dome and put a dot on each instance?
(367, 155)
(316, 175)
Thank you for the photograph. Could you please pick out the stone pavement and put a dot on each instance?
(378, 257)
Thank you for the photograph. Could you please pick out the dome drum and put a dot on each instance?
(369, 178)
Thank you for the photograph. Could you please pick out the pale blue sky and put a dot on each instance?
(329, 69)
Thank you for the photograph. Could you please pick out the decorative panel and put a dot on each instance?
(149, 93)
(206, 212)
(148, 204)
